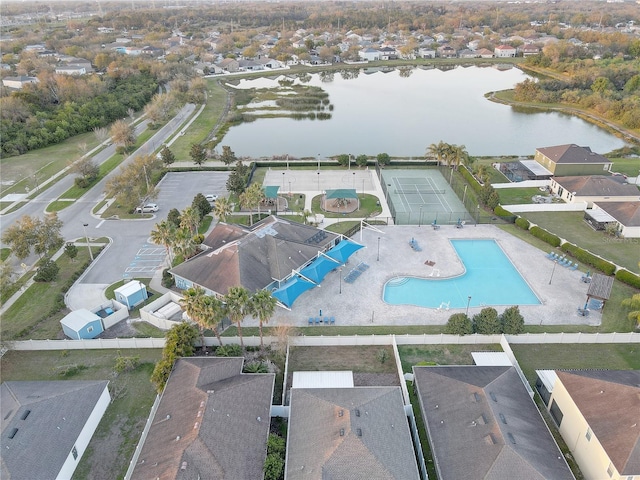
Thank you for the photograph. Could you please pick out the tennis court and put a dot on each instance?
(422, 196)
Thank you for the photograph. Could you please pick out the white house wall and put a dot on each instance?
(69, 466)
(630, 232)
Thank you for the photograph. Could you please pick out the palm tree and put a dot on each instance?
(438, 150)
(263, 304)
(251, 198)
(194, 305)
(214, 312)
(458, 155)
(190, 218)
(164, 234)
(222, 209)
(237, 305)
(184, 243)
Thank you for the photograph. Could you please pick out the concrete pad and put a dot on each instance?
(361, 303)
(85, 295)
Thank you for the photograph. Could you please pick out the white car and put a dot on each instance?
(148, 208)
(211, 198)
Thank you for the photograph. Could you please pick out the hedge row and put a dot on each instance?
(589, 258)
(523, 223)
(471, 180)
(545, 236)
(625, 276)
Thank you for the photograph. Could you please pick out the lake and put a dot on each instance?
(402, 115)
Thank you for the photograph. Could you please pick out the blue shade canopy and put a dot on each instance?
(344, 250)
(319, 268)
(292, 289)
(270, 191)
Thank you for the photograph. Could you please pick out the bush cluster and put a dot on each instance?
(179, 343)
(523, 223)
(229, 351)
(471, 180)
(589, 258)
(274, 463)
(629, 278)
(487, 322)
(545, 236)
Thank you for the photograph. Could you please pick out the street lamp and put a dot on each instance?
(318, 163)
(340, 274)
(354, 180)
(468, 302)
(553, 270)
(464, 195)
(84, 227)
(282, 180)
(477, 215)
(319, 182)
(378, 259)
(420, 216)
(349, 166)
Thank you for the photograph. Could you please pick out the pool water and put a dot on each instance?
(490, 279)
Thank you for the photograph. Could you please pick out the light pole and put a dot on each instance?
(354, 180)
(319, 182)
(349, 166)
(289, 188)
(287, 161)
(84, 227)
(340, 273)
(378, 259)
(282, 180)
(318, 163)
(420, 217)
(477, 215)
(468, 302)
(363, 186)
(464, 195)
(553, 270)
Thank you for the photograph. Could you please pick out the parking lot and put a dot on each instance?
(177, 189)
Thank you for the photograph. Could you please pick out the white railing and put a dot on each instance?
(547, 207)
(143, 437)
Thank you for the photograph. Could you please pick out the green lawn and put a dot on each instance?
(132, 395)
(517, 196)
(623, 356)
(627, 166)
(572, 227)
(369, 205)
(411, 355)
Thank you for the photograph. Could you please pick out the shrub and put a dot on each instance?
(276, 445)
(229, 351)
(523, 223)
(201, 204)
(255, 367)
(47, 271)
(382, 355)
(82, 182)
(502, 212)
(545, 236)
(383, 159)
(273, 467)
(589, 258)
(126, 364)
(487, 322)
(179, 343)
(625, 276)
(167, 279)
(471, 180)
(458, 324)
(512, 321)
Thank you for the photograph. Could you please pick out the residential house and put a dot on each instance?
(504, 51)
(482, 423)
(369, 54)
(257, 257)
(570, 159)
(467, 53)
(18, 82)
(594, 188)
(473, 44)
(74, 70)
(484, 53)
(212, 422)
(47, 426)
(250, 65)
(154, 52)
(426, 52)
(529, 50)
(598, 415)
(447, 51)
(269, 62)
(354, 433)
(388, 53)
(230, 65)
(624, 215)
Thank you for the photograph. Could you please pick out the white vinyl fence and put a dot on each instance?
(547, 207)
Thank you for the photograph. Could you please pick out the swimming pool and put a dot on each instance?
(490, 279)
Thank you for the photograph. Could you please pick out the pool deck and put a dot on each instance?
(360, 302)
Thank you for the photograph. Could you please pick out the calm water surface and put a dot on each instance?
(384, 112)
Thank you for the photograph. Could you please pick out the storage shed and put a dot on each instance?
(131, 293)
(81, 324)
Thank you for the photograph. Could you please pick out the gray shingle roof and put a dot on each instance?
(254, 257)
(482, 424)
(212, 422)
(348, 434)
(57, 413)
(598, 185)
(572, 153)
(627, 213)
(609, 400)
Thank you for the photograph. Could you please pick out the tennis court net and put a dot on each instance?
(418, 191)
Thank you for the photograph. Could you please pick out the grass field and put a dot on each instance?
(517, 196)
(627, 166)
(572, 227)
(411, 355)
(132, 394)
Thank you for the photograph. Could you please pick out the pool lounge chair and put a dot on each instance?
(550, 255)
(310, 320)
(332, 320)
(583, 312)
(574, 266)
(318, 320)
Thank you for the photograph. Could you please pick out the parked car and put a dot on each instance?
(211, 198)
(148, 208)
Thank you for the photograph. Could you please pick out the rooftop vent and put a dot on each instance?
(177, 438)
(489, 439)
(183, 466)
(26, 414)
(493, 396)
(196, 425)
(13, 432)
(504, 420)
(341, 413)
(357, 412)
(481, 420)
(475, 398)
(511, 438)
(359, 432)
(342, 432)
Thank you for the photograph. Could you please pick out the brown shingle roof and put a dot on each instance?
(349, 434)
(483, 424)
(627, 213)
(572, 153)
(609, 400)
(212, 422)
(597, 185)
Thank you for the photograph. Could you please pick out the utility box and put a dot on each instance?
(132, 293)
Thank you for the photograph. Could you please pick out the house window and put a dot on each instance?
(588, 435)
(74, 452)
(610, 470)
(89, 329)
(556, 413)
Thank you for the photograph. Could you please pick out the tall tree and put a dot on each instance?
(123, 134)
(167, 156)
(251, 198)
(190, 219)
(227, 157)
(237, 306)
(215, 312)
(33, 233)
(198, 154)
(487, 322)
(512, 321)
(438, 151)
(185, 246)
(164, 234)
(194, 301)
(222, 209)
(458, 155)
(262, 305)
